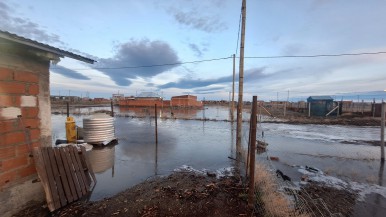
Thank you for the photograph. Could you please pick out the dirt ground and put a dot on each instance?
(190, 194)
(180, 194)
(325, 201)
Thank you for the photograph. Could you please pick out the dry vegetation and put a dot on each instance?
(272, 202)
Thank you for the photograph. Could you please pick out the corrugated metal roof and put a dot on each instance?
(28, 42)
(320, 98)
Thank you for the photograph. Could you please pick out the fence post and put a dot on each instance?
(252, 152)
(309, 109)
(156, 130)
(112, 109)
(68, 109)
(383, 132)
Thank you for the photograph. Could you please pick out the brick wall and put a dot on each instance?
(144, 103)
(19, 92)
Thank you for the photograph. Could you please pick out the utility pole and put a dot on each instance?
(233, 87)
(383, 132)
(241, 76)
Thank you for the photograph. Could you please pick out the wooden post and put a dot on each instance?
(383, 132)
(252, 152)
(309, 109)
(241, 76)
(363, 106)
(156, 126)
(68, 109)
(338, 110)
(112, 109)
(373, 107)
(233, 88)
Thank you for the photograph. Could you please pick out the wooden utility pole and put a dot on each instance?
(233, 87)
(251, 191)
(241, 76)
(383, 132)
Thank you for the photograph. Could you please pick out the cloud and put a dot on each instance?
(138, 53)
(24, 27)
(186, 83)
(195, 19)
(195, 49)
(68, 73)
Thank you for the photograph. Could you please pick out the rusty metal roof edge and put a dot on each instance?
(41, 46)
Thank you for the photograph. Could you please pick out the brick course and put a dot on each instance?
(15, 162)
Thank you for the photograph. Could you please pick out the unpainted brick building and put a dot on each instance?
(25, 120)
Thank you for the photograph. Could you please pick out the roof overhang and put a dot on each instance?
(43, 47)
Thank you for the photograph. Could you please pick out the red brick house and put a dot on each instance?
(25, 120)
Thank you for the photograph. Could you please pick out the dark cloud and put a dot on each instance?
(138, 53)
(24, 27)
(195, 49)
(293, 49)
(68, 73)
(185, 83)
(196, 20)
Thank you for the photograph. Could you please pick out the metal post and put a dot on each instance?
(383, 132)
(252, 154)
(112, 109)
(156, 126)
(241, 76)
(309, 109)
(68, 109)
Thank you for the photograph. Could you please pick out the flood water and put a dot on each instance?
(339, 151)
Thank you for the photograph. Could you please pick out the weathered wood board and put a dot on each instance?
(65, 173)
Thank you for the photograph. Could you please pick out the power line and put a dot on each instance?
(238, 34)
(224, 58)
(155, 65)
(317, 55)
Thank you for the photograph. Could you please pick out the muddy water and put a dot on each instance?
(339, 151)
(136, 157)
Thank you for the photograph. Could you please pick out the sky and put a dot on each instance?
(124, 34)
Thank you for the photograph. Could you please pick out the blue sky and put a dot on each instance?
(149, 32)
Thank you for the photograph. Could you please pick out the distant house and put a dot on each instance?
(144, 99)
(25, 120)
(101, 100)
(185, 101)
(117, 96)
(320, 105)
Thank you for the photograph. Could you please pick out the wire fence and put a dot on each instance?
(275, 193)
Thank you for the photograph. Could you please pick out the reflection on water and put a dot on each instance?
(207, 144)
(136, 157)
(102, 159)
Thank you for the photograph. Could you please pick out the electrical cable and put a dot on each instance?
(250, 57)
(238, 34)
(155, 65)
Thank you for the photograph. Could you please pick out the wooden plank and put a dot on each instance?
(77, 170)
(85, 170)
(73, 172)
(82, 172)
(40, 168)
(90, 170)
(51, 179)
(58, 181)
(69, 171)
(63, 175)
